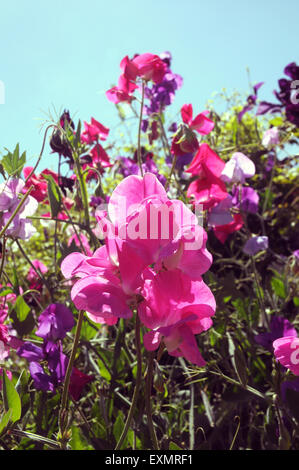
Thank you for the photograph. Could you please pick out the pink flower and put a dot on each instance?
(148, 66)
(286, 351)
(32, 276)
(94, 131)
(122, 92)
(208, 189)
(200, 123)
(4, 340)
(222, 231)
(39, 184)
(84, 242)
(176, 308)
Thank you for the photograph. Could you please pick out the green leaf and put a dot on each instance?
(278, 287)
(118, 428)
(11, 398)
(104, 371)
(174, 446)
(296, 301)
(54, 195)
(13, 163)
(5, 420)
(77, 441)
(21, 308)
(238, 360)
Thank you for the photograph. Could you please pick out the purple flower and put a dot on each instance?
(54, 322)
(127, 167)
(255, 244)
(220, 214)
(162, 94)
(20, 227)
(287, 95)
(42, 381)
(31, 352)
(251, 101)
(56, 363)
(279, 327)
(249, 199)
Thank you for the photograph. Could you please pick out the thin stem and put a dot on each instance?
(149, 381)
(139, 159)
(137, 385)
(64, 398)
(41, 152)
(3, 256)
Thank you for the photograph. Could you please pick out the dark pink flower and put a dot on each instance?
(94, 131)
(78, 381)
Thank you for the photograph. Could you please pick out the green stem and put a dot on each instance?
(17, 209)
(64, 398)
(149, 381)
(3, 256)
(139, 159)
(41, 152)
(137, 385)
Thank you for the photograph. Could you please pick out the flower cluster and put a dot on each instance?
(153, 259)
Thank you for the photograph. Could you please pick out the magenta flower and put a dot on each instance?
(94, 131)
(286, 351)
(201, 123)
(78, 381)
(175, 308)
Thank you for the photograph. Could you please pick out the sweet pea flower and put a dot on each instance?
(251, 101)
(145, 228)
(270, 137)
(237, 169)
(201, 123)
(32, 276)
(256, 244)
(223, 231)
(94, 131)
(286, 351)
(55, 321)
(20, 227)
(208, 189)
(249, 199)
(147, 66)
(175, 308)
(279, 328)
(4, 337)
(78, 381)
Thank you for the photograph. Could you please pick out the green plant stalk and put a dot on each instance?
(64, 398)
(3, 256)
(139, 159)
(137, 385)
(17, 209)
(83, 189)
(149, 381)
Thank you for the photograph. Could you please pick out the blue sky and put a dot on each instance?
(66, 54)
